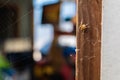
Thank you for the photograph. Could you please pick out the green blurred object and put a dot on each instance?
(4, 63)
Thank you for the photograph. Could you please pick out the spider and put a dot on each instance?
(82, 26)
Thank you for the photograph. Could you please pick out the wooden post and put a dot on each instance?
(88, 39)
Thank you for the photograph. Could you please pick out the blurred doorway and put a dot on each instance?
(54, 39)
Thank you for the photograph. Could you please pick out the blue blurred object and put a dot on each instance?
(68, 10)
(45, 49)
(44, 2)
(8, 71)
(67, 51)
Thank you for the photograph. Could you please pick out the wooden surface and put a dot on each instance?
(89, 40)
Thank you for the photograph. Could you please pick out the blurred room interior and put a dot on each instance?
(37, 39)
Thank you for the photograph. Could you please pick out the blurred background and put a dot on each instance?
(37, 39)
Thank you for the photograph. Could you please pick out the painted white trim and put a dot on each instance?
(110, 68)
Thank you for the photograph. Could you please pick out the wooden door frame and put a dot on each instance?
(88, 32)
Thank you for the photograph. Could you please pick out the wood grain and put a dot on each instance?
(88, 41)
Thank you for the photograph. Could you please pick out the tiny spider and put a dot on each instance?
(83, 26)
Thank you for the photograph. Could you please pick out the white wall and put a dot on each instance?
(111, 40)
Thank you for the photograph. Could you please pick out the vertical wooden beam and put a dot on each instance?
(88, 40)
